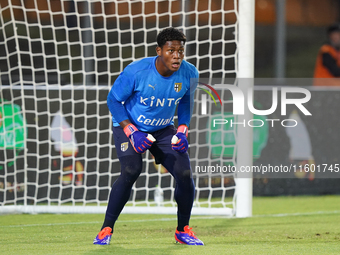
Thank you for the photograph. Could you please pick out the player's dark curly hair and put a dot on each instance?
(170, 34)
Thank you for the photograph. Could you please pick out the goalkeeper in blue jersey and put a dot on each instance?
(142, 102)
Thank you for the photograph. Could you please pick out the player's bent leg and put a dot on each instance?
(184, 196)
(131, 167)
(178, 164)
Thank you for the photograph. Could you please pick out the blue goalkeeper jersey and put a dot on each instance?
(150, 99)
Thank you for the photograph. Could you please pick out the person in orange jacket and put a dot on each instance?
(328, 59)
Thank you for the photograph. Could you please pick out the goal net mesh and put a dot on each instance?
(58, 61)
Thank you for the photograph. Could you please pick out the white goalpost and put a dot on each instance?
(244, 184)
(58, 61)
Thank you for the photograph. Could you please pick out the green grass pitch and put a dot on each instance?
(280, 225)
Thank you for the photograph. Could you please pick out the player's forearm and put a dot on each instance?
(124, 123)
(184, 113)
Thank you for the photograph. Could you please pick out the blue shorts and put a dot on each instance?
(160, 149)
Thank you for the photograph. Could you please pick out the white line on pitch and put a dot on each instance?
(97, 222)
(297, 214)
(173, 219)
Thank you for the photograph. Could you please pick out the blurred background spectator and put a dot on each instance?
(288, 35)
(328, 60)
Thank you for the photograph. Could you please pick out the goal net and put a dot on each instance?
(58, 61)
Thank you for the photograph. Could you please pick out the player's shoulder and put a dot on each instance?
(327, 48)
(189, 68)
(140, 65)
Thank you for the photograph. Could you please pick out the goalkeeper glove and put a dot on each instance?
(179, 141)
(139, 140)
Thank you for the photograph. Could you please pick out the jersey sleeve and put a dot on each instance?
(124, 86)
(121, 90)
(186, 105)
(117, 109)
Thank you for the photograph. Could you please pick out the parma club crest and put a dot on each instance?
(124, 146)
(178, 87)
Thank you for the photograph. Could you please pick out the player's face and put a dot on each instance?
(335, 38)
(170, 57)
